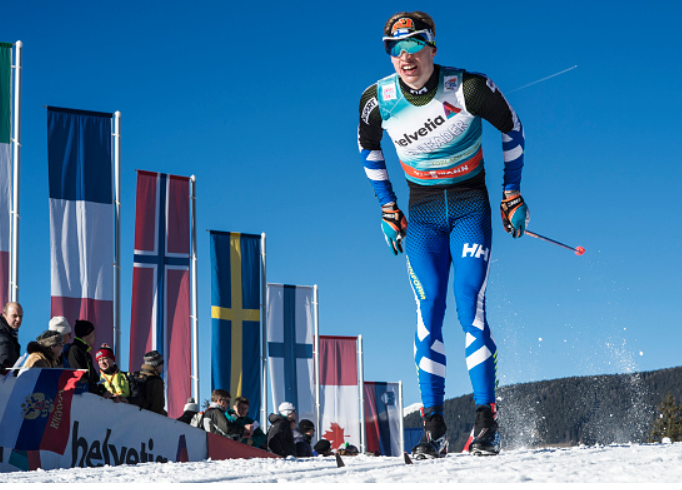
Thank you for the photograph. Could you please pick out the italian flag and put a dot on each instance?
(5, 165)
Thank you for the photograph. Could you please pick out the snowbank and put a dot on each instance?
(648, 463)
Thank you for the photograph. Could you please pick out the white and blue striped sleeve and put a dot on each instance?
(484, 99)
(369, 144)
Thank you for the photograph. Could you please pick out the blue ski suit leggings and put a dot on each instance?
(451, 227)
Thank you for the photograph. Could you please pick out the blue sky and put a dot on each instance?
(259, 100)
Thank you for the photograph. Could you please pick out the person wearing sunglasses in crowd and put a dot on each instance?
(45, 351)
(433, 114)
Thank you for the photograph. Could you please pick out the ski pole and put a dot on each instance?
(577, 250)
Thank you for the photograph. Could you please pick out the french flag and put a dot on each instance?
(160, 316)
(37, 415)
(81, 218)
(339, 391)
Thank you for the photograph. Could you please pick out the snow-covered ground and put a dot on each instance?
(634, 463)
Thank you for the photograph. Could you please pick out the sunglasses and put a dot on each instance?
(410, 45)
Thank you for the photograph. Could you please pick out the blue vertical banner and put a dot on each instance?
(236, 315)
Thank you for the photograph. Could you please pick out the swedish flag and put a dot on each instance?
(236, 315)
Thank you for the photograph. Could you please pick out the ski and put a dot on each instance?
(407, 458)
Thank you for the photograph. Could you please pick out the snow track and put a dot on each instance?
(625, 463)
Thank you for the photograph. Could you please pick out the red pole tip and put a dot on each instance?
(579, 250)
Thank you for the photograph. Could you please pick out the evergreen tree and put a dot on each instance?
(668, 422)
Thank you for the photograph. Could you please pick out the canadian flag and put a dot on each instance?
(339, 392)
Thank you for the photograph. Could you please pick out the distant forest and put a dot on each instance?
(588, 410)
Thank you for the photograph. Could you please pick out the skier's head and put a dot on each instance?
(409, 24)
(410, 40)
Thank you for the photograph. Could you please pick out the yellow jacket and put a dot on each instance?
(117, 383)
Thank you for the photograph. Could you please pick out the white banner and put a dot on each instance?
(339, 391)
(290, 347)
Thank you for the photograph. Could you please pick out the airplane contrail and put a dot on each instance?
(543, 79)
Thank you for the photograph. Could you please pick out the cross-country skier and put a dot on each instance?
(433, 115)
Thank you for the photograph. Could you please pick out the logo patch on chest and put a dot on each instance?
(450, 110)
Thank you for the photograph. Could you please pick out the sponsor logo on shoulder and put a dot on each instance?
(388, 92)
(451, 83)
(367, 110)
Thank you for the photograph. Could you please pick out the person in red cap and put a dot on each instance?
(113, 379)
(434, 116)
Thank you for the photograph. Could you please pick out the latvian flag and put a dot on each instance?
(37, 415)
(160, 316)
(81, 217)
(339, 392)
(5, 166)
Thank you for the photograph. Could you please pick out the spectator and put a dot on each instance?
(113, 379)
(45, 351)
(242, 427)
(303, 437)
(348, 450)
(78, 356)
(214, 419)
(280, 437)
(191, 409)
(10, 321)
(147, 389)
(61, 325)
(323, 448)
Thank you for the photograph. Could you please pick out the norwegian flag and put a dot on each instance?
(160, 318)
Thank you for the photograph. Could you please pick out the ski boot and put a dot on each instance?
(434, 442)
(485, 436)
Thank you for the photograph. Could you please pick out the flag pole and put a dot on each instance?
(194, 310)
(361, 388)
(316, 360)
(117, 233)
(264, 358)
(401, 416)
(14, 263)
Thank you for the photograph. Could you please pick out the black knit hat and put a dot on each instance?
(153, 358)
(323, 446)
(83, 328)
(305, 425)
